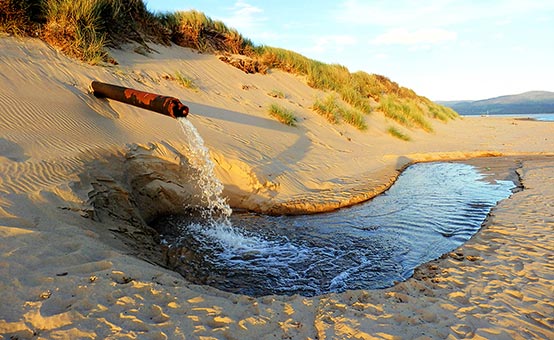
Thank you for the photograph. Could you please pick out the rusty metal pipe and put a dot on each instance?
(168, 106)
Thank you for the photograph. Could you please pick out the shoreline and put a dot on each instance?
(387, 178)
(517, 116)
(479, 280)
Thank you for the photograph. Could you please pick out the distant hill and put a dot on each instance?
(524, 103)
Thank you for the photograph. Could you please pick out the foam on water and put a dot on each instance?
(215, 223)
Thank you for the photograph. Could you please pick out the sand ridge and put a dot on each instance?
(68, 268)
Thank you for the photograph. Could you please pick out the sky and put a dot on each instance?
(442, 49)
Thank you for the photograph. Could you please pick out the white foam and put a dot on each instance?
(216, 225)
(199, 159)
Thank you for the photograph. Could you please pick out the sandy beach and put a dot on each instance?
(81, 178)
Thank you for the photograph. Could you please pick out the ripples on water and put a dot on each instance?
(431, 209)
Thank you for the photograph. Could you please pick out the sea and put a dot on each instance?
(543, 117)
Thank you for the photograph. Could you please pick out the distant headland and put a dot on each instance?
(532, 102)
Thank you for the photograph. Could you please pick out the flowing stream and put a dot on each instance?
(430, 210)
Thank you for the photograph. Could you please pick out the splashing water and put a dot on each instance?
(215, 224)
(221, 243)
(217, 209)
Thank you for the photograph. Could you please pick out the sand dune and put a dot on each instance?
(81, 178)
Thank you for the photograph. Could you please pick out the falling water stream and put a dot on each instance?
(430, 210)
(199, 159)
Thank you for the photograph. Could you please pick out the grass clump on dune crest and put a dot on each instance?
(20, 17)
(282, 59)
(333, 77)
(196, 30)
(282, 114)
(83, 28)
(77, 27)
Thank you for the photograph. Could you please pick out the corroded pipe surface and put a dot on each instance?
(168, 106)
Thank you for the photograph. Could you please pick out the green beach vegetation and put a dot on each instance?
(83, 29)
(196, 30)
(20, 17)
(185, 81)
(86, 29)
(276, 94)
(395, 132)
(330, 108)
(282, 114)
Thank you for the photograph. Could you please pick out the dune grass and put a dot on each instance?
(196, 30)
(328, 108)
(77, 27)
(441, 112)
(282, 114)
(393, 131)
(185, 81)
(83, 29)
(280, 58)
(276, 94)
(86, 28)
(355, 118)
(334, 112)
(406, 111)
(20, 17)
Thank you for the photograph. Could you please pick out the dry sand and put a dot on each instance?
(81, 178)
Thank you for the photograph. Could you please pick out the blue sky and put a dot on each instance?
(442, 49)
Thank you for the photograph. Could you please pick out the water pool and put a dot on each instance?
(430, 210)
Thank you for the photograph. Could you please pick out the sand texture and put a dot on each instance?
(81, 178)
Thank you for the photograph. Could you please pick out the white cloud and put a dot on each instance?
(245, 17)
(243, 8)
(251, 22)
(332, 42)
(401, 36)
